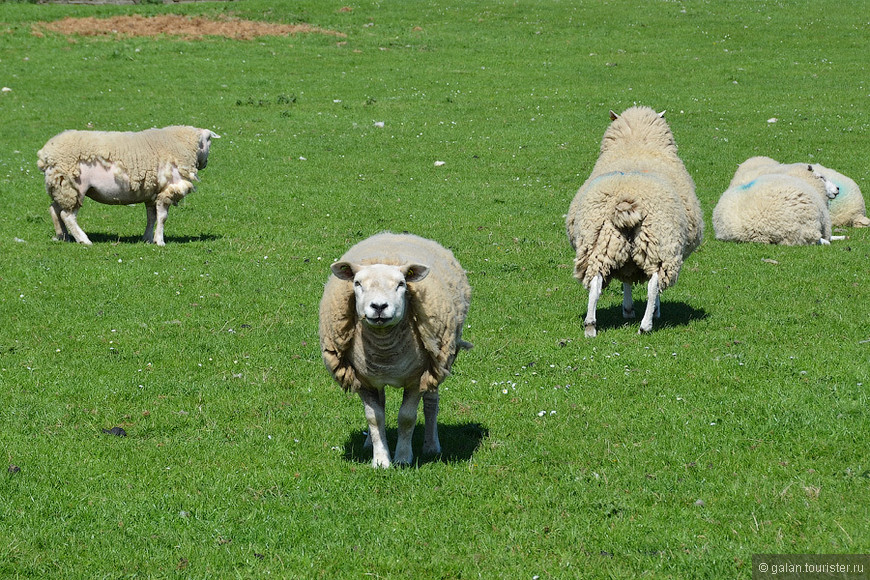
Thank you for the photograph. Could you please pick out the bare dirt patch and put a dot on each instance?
(175, 25)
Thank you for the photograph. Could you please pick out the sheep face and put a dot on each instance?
(380, 290)
(831, 188)
(205, 138)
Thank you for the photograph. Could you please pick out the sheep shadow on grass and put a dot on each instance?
(458, 443)
(673, 314)
(99, 238)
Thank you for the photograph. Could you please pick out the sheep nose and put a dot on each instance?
(379, 308)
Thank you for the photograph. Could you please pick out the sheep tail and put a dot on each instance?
(626, 214)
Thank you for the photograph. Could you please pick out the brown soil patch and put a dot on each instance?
(175, 25)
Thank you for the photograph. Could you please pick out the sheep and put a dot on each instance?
(636, 218)
(392, 314)
(848, 208)
(155, 167)
(773, 203)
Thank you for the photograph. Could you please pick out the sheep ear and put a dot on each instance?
(343, 270)
(214, 135)
(415, 272)
(613, 116)
(662, 114)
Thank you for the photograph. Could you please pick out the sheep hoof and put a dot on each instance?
(644, 330)
(628, 313)
(590, 331)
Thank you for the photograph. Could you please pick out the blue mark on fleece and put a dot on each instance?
(746, 186)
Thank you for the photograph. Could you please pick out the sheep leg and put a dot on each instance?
(382, 398)
(407, 421)
(375, 416)
(431, 444)
(151, 217)
(72, 226)
(61, 233)
(594, 294)
(627, 301)
(162, 208)
(652, 304)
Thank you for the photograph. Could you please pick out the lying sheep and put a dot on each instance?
(848, 208)
(392, 314)
(773, 203)
(636, 218)
(155, 167)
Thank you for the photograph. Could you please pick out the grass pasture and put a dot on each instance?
(739, 426)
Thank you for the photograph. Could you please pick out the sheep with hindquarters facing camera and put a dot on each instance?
(636, 218)
(773, 203)
(392, 314)
(155, 167)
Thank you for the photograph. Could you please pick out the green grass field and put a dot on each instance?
(738, 427)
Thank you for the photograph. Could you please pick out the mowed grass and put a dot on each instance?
(739, 426)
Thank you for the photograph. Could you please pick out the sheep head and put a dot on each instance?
(205, 137)
(831, 188)
(380, 289)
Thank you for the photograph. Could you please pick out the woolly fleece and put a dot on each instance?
(773, 203)
(437, 307)
(637, 213)
(140, 155)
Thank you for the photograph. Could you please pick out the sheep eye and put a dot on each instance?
(357, 283)
(402, 284)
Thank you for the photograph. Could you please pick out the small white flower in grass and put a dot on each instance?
(120, 260)
(439, 163)
(772, 120)
(303, 159)
(379, 124)
(6, 90)
(541, 413)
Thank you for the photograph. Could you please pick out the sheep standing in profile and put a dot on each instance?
(392, 314)
(637, 217)
(773, 203)
(155, 167)
(848, 208)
